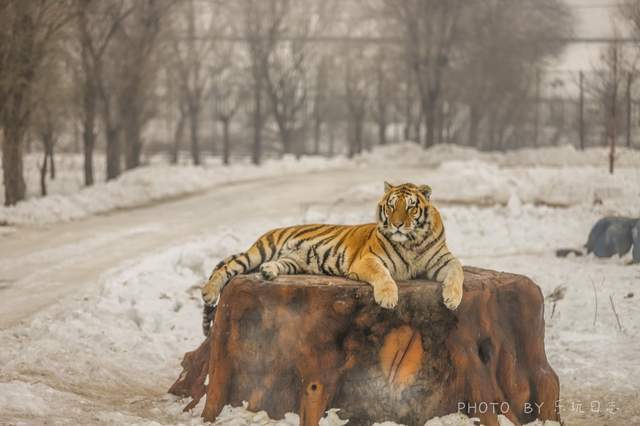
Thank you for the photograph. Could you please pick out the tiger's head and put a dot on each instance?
(403, 212)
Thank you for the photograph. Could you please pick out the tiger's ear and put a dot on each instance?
(425, 190)
(387, 186)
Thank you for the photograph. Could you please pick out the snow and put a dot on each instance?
(411, 154)
(106, 356)
(481, 177)
(145, 185)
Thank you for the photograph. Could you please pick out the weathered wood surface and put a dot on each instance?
(305, 344)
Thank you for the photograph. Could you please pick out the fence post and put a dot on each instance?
(581, 124)
(629, 82)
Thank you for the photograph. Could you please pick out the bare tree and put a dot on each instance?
(137, 44)
(97, 22)
(384, 68)
(194, 63)
(430, 28)
(610, 74)
(51, 96)
(261, 21)
(320, 101)
(227, 96)
(27, 30)
(357, 98)
(287, 65)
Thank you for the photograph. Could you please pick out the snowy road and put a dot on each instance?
(40, 266)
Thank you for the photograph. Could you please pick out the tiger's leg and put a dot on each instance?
(451, 276)
(372, 271)
(223, 273)
(283, 266)
(263, 250)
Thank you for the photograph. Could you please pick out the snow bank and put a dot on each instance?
(412, 154)
(468, 175)
(475, 182)
(150, 184)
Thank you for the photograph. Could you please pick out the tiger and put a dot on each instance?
(407, 241)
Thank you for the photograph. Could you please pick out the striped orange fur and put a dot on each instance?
(407, 241)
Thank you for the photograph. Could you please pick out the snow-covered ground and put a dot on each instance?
(68, 200)
(107, 355)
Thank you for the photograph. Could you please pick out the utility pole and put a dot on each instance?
(581, 124)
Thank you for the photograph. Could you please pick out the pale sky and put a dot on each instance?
(593, 19)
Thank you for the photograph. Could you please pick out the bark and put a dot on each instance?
(177, 139)
(308, 343)
(226, 143)
(114, 152)
(47, 161)
(43, 174)
(256, 153)
(89, 95)
(474, 123)
(430, 121)
(132, 132)
(52, 164)
(382, 132)
(194, 128)
(22, 57)
(317, 127)
(88, 138)
(12, 167)
(332, 141)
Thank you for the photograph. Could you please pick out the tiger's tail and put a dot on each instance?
(261, 251)
(208, 313)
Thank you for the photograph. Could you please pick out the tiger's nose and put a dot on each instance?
(397, 225)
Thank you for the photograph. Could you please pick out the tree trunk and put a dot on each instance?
(43, 171)
(474, 122)
(332, 141)
(256, 153)
(317, 127)
(194, 127)
(440, 123)
(418, 127)
(308, 343)
(214, 137)
(47, 161)
(285, 140)
(359, 128)
(430, 121)
(114, 153)
(52, 163)
(89, 142)
(12, 168)
(88, 132)
(226, 148)
(177, 139)
(382, 132)
(133, 143)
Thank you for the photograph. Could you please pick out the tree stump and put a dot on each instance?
(305, 344)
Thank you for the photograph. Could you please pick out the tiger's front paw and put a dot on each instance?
(452, 293)
(269, 270)
(211, 290)
(386, 295)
